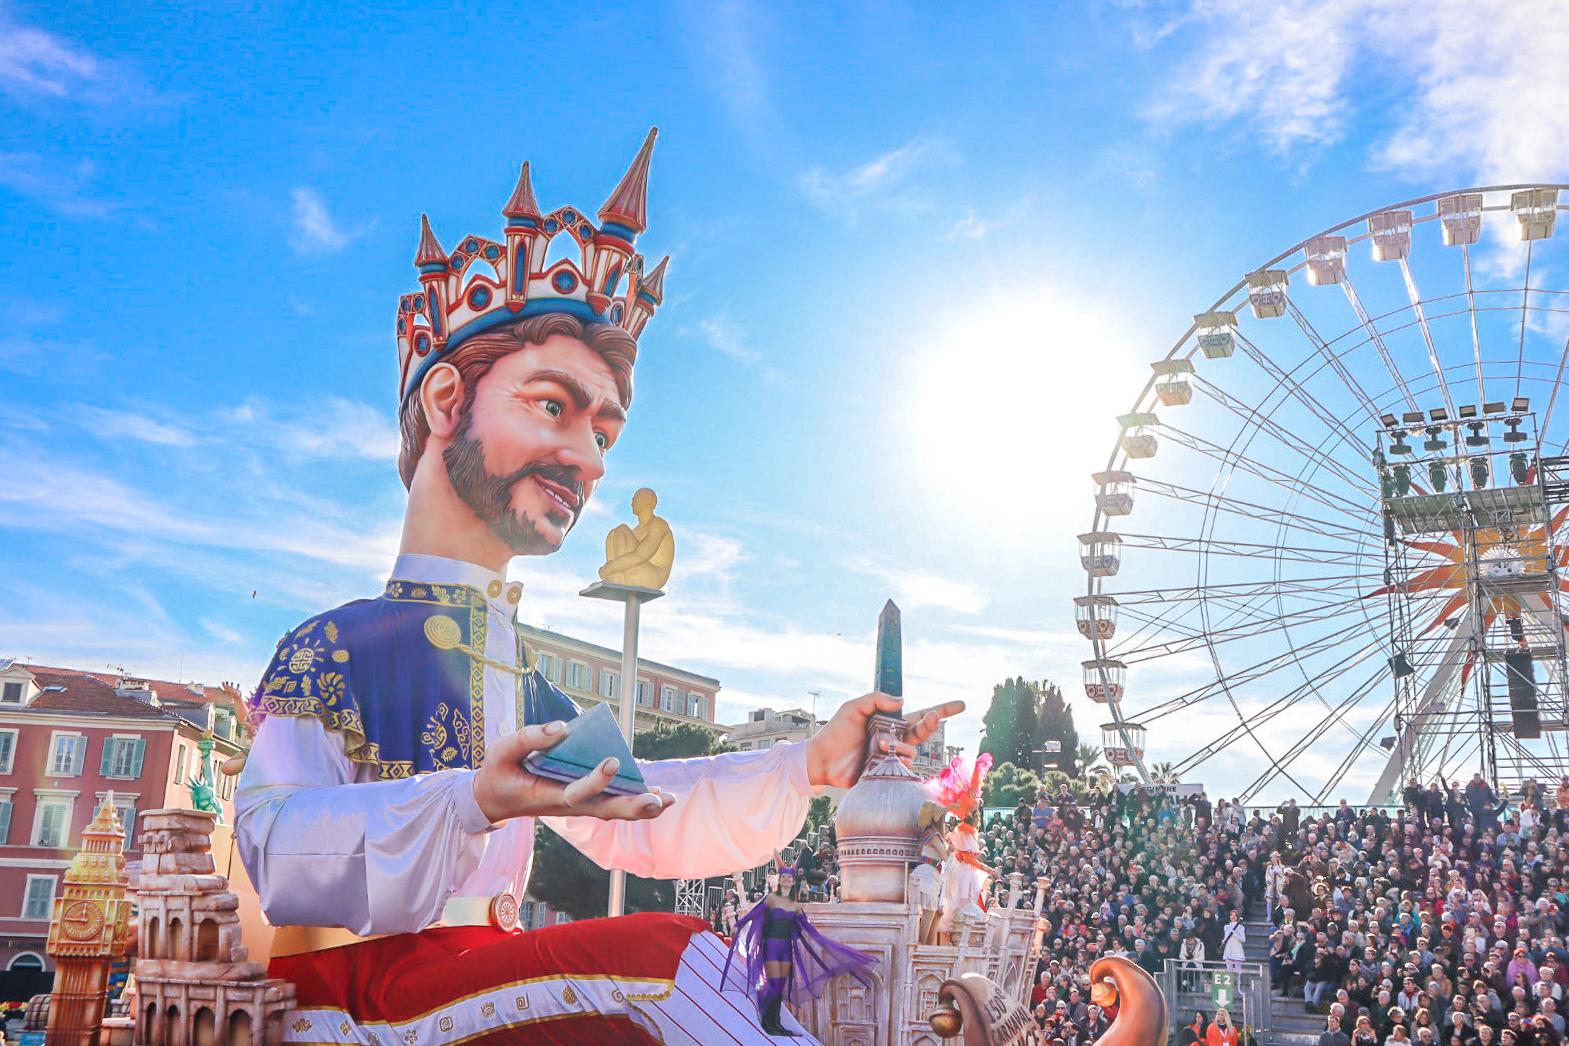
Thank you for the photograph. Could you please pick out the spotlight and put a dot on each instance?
(1389, 421)
(1433, 444)
(1437, 476)
(1519, 468)
(1468, 411)
(1402, 481)
(1412, 417)
(1400, 446)
(1514, 435)
(1493, 408)
(1520, 405)
(1479, 472)
(1478, 437)
(1400, 666)
(1438, 414)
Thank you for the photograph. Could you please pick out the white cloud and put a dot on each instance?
(33, 61)
(919, 588)
(970, 227)
(721, 334)
(330, 428)
(124, 424)
(888, 181)
(1477, 84)
(62, 186)
(315, 231)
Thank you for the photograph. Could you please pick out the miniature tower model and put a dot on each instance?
(88, 930)
(194, 983)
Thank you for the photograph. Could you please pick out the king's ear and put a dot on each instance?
(441, 394)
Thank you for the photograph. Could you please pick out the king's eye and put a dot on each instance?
(602, 440)
(553, 408)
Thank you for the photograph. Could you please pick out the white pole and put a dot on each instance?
(628, 710)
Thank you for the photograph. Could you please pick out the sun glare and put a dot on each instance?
(1013, 407)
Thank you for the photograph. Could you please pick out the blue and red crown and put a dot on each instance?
(484, 284)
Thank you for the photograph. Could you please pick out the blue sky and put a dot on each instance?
(920, 262)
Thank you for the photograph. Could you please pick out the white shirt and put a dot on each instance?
(328, 844)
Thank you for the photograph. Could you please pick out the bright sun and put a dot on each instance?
(1013, 407)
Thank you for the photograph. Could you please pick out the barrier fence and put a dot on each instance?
(1242, 989)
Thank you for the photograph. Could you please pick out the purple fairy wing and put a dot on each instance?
(819, 959)
(746, 946)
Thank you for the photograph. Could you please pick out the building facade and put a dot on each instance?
(591, 674)
(67, 739)
(766, 727)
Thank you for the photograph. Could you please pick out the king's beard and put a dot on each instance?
(489, 496)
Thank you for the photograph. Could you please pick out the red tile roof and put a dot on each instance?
(94, 693)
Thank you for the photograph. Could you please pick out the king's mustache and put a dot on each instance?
(557, 474)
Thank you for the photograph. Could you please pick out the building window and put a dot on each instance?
(123, 757)
(39, 899)
(7, 750)
(179, 765)
(52, 823)
(607, 683)
(550, 665)
(643, 688)
(11, 694)
(5, 818)
(667, 698)
(579, 676)
(126, 809)
(66, 754)
(694, 704)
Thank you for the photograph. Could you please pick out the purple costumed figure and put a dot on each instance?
(786, 959)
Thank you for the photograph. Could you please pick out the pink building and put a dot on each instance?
(67, 737)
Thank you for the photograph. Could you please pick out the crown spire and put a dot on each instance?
(628, 205)
(522, 204)
(653, 284)
(430, 251)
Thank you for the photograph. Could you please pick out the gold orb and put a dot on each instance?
(946, 1020)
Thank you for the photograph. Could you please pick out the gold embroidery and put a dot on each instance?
(522, 1002)
(443, 632)
(446, 1024)
(302, 1025)
(302, 659)
(488, 1010)
(340, 656)
(569, 996)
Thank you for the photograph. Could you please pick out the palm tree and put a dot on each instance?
(1164, 774)
(1087, 756)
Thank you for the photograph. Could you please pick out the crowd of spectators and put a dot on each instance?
(1439, 924)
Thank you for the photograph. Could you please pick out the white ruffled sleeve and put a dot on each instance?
(325, 849)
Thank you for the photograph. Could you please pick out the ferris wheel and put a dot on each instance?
(1325, 553)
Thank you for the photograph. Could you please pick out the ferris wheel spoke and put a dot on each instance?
(1255, 416)
(1525, 299)
(1241, 589)
(1258, 670)
(1285, 379)
(1263, 513)
(1356, 751)
(1245, 549)
(1427, 333)
(1253, 628)
(1246, 728)
(1377, 341)
(1338, 366)
(1280, 766)
(1476, 335)
(1292, 486)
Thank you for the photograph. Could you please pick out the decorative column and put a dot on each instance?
(637, 566)
(88, 931)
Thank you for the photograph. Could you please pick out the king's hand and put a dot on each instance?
(837, 754)
(504, 789)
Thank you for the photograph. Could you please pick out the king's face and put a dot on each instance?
(545, 416)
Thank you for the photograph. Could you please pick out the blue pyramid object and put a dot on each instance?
(590, 739)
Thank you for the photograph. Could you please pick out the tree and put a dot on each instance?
(569, 882)
(677, 741)
(1088, 757)
(1055, 723)
(1164, 774)
(1008, 783)
(1009, 731)
(1020, 721)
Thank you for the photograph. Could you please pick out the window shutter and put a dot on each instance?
(137, 753)
(79, 751)
(5, 821)
(106, 764)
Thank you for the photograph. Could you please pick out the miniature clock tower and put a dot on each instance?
(88, 931)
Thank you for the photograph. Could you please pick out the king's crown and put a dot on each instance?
(459, 298)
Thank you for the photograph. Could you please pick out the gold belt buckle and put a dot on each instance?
(504, 912)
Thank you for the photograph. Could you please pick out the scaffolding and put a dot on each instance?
(1476, 636)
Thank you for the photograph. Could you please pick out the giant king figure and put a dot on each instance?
(383, 812)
